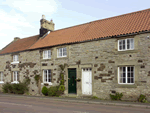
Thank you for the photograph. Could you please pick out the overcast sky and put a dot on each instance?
(21, 18)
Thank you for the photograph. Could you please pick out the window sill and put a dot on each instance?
(16, 62)
(1, 82)
(15, 82)
(46, 58)
(49, 83)
(127, 86)
(127, 51)
(65, 57)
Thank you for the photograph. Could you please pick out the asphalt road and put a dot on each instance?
(13, 104)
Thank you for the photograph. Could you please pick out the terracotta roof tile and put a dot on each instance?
(20, 45)
(114, 26)
(123, 24)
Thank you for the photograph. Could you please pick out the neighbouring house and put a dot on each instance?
(106, 56)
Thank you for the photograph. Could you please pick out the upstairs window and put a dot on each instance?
(1, 77)
(62, 52)
(15, 58)
(126, 75)
(47, 76)
(126, 44)
(47, 54)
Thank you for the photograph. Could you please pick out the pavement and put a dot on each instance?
(82, 100)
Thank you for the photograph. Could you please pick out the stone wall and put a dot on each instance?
(102, 56)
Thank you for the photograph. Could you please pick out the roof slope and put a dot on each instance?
(123, 24)
(20, 45)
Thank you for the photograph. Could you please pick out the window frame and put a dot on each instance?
(47, 55)
(126, 44)
(62, 52)
(2, 77)
(126, 77)
(15, 72)
(47, 76)
(15, 59)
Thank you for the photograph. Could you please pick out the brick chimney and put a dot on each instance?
(46, 26)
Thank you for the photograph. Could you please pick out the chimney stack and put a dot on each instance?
(46, 26)
(16, 38)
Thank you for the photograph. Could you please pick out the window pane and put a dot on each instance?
(128, 43)
(121, 80)
(64, 51)
(129, 75)
(120, 42)
(128, 69)
(132, 44)
(49, 77)
(124, 69)
(132, 69)
(129, 80)
(124, 80)
(45, 75)
(49, 53)
(120, 47)
(123, 44)
(60, 51)
(132, 80)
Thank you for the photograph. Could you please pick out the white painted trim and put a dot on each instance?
(46, 57)
(50, 83)
(62, 52)
(15, 62)
(126, 44)
(126, 76)
(1, 82)
(15, 82)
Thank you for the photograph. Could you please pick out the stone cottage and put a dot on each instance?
(103, 57)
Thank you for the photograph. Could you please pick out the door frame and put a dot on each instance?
(75, 80)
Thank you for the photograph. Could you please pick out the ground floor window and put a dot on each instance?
(126, 75)
(1, 77)
(15, 76)
(47, 75)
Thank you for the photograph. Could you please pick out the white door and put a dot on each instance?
(87, 81)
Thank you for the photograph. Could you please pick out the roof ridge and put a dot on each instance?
(104, 19)
(29, 36)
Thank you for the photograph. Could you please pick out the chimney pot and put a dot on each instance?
(43, 16)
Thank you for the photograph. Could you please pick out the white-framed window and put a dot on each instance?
(1, 77)
(62, 52)
(47, 54)
(15, 58)
(126, 44)
(47, 76)
(126, 75)
(15, 76)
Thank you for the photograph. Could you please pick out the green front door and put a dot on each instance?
(72, 81)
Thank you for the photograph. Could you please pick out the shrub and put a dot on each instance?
(37, 78)
(142, 98)
(45, 90)
(7, 88)
(61, 88)
(19, 88)
(118, 96)
(95, 97)
(53, 91)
